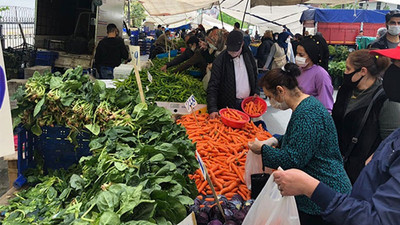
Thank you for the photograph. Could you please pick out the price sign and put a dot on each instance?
(149, 77)
(202, 166)
(190, 103)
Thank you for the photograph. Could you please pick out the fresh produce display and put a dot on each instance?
(167, 86)
(138, 170)
(73, 101)
(253, 108)
(207, 211)
(223, 150)
(233, 115)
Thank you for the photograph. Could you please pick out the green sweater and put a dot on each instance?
(311, 145)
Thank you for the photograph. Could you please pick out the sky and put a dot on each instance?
(23, 3)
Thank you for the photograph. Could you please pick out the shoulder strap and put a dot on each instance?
(354, 140)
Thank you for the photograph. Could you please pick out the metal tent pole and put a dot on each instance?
(244, 14)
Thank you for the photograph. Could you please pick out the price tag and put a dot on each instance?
(189, 220)
(149, 77)
(202, 166)
(190, 103)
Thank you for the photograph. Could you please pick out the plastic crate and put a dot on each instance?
(53, 146)
(45, 58)
(165, 55)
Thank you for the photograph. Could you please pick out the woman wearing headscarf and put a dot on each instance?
(281, 52)
(313, 61)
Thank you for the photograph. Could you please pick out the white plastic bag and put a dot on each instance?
(253, 166)
(270, 208)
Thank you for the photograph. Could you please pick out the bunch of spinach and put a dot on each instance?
(138, 170)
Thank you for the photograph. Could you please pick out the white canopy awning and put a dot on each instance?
(209, 22)
(174, 7)
(332, 2)
(254, 3)
(266, 17)
(173, 21)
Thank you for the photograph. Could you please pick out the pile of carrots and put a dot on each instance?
(233, 115)
(253, 108)
(223, 150)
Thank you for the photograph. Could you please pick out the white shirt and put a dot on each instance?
(241, 78)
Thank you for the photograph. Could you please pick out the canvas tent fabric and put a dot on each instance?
(331, 2)
(254, 3)
(344, 16)
(266, 17)
(174, 7)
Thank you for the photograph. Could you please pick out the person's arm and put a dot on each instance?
(213, 85)
(270, 56)
(389, 119)
(298, 149)
(343, 209)
(180, 58)
(124, 51)
(324, 87)
(97, 56)
(195, 59)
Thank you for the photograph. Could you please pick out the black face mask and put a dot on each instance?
(391, 82)
(347, 82)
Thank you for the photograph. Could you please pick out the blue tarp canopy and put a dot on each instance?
(187, 27)
(344, 15)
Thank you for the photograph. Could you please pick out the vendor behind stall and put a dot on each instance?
(109, 53)
(233, 76)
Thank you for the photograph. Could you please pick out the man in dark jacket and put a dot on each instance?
(233, 76)
(391, 38)
(109, 53)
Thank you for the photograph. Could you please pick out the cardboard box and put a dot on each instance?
(178, 108)
(28, 72)
(13, 85)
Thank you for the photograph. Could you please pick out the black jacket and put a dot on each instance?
(380, 43)
(221, 91)
(187, 54)
(347, 126)
(110, 51)
(263, 51)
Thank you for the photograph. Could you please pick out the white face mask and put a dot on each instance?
(394, 30)
(301, 61)
(278, 105)
(212, 46)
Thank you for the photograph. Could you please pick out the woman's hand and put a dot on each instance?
(295, 182)
(214, 115)
(255, 146)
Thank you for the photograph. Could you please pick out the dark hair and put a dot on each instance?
(111, 28)
(317, 49)
(391, 14)
(167, 31)
(159, 26)
(237, 25)
(193, 40)
(279, 77)
(375, 65)
(298, 36)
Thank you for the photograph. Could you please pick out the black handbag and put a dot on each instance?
(258, 182)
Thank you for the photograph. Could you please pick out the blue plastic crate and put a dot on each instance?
(165, 55)
(45, 58)
(53, 146)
